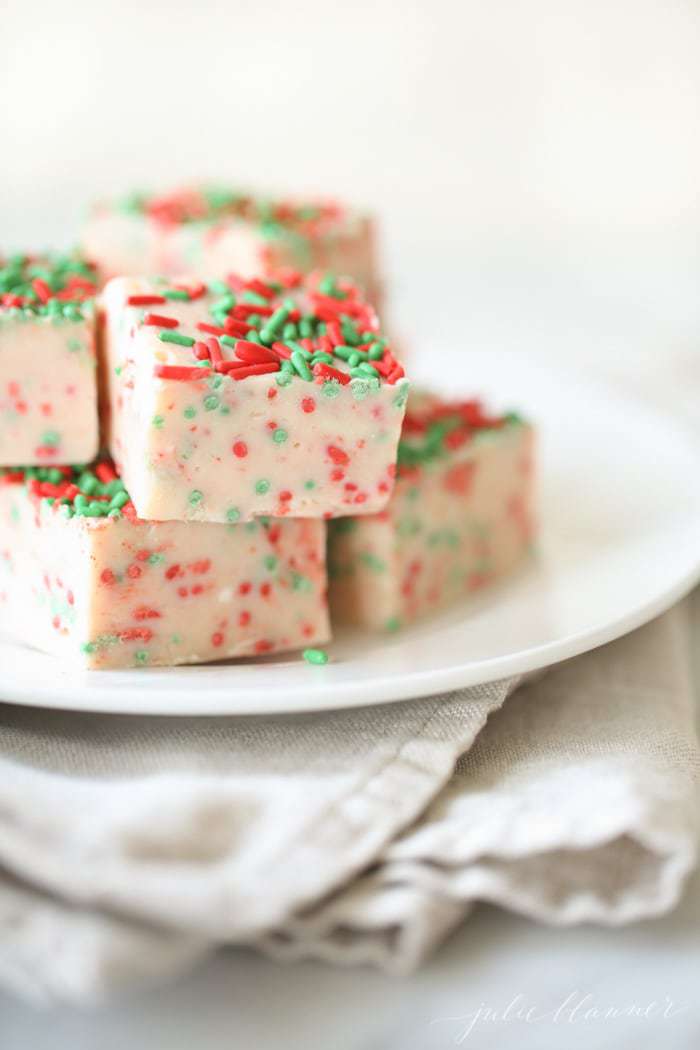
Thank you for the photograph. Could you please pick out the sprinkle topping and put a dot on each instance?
(214, 205)
(88, 492)
(318, 330)
(56, 286)
(433, 428)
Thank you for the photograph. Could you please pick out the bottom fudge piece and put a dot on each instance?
(460, 517)
(82, 577)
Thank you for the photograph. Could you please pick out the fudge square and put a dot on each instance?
(48, 388)
(460, 517)
(209, 230)
(247, 397)
(82, 577)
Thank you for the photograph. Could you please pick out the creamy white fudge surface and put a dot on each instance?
(461, 517)
(81, 577)
(247, 398)
(207, 231)
(48, 385)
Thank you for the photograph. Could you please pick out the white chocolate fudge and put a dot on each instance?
(208, 231)
(247, 398)
(48, 386)
(461, 516)
(82, 578)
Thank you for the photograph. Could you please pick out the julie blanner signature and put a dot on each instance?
(578, 1008)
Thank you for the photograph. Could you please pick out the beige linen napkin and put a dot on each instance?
(131, 847)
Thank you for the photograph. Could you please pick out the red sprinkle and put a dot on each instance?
(234, 327)
(215, 350)
(144, 613)
(242, 372)
(217, 639)
(240, 449)
(253, 354)
(211, 329)
(160, 321)
(145, 300)
(105, 472)
(308, 404)
(337, 455)
(42, 289)
(322, 371)
(132, 633)
(180, 372)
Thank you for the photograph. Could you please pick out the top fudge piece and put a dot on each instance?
(207, 231)
(244, 398)
(48, 389)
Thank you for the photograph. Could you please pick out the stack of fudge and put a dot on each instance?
(199, 421)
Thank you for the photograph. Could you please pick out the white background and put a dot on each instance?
(536, 166)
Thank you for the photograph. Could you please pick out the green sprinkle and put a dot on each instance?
(158, 421)
(283, 378)
(262, 485)
(156, 558)
(211, 402)
(141, 656)
(118, 501)
(195, 497)
(233, 515)
(315, 656)
(176, 294)
(270, 562)
(228, 340)
(175, 337)
(88, 647)
(331, 388)
(392, 624)
(252, 297)
(279, 436)
(190, 412)
(224, 304)
(218, 288)
(300, 366)
(310, 484)
(50, 438)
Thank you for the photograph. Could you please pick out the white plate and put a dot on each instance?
(620, 509)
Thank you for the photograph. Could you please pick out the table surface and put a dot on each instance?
(501, 981)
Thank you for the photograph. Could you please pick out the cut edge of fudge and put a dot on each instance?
(83, 578)
(461, 517)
